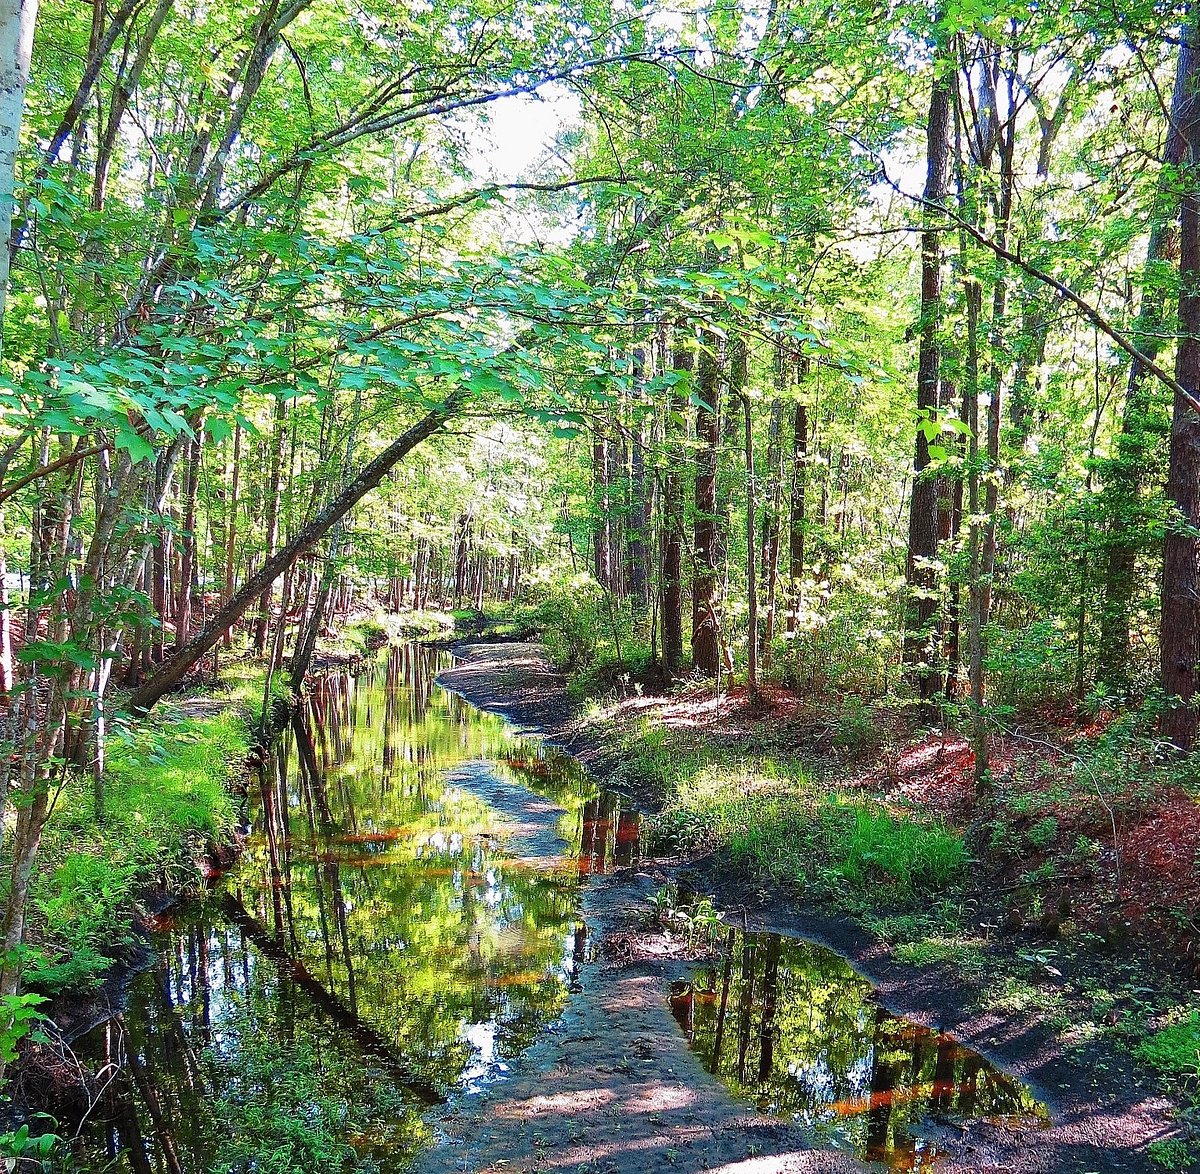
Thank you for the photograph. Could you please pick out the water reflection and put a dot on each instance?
(792, 1027)
(382, 944)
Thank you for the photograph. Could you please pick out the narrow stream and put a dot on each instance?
(403, 923)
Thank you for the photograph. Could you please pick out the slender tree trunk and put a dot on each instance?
(672, 511)
(271, 537)
(772, 504)
(954, 604)
(796, 520)
(751, 577)
(231, 523)
(920, 653)
(6, 647)
(706, 651)
(462, 561)
(162, 550)
(1126, 477)
(1180, 631)
(991, 493)
(978, 604)
(183, 610)
(638, 529)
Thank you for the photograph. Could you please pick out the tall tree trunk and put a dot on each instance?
(1126, 477)
(162, 552)
(271, 536)
(920, 652)
(683, 362)
(639, 514)
(639, 523)
(796, 521)
(17, 18)
(462, 561)
(617, 501)
(706, 652)
(1004, 209)
(751, 578)
(123, 90)
(1180, 631)
(772, 503)
(977, 604)
(183, 609)
(601, 517)
(231, 522)
(6, 646)
(954, 604)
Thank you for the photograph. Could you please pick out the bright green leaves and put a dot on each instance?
(936, 427)
(138, 447)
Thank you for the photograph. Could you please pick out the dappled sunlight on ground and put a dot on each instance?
(578, 1101)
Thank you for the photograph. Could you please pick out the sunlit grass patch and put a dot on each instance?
(772, 819)
(1175, 1049)
(960, 954)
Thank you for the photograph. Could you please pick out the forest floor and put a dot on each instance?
(1057, 990)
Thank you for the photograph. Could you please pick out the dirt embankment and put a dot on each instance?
(613, 1087)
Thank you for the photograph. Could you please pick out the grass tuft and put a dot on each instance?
(772, 819)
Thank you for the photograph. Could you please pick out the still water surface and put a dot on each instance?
(402, 923)
(793, 1028)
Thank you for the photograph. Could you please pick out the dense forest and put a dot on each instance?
(840, 360)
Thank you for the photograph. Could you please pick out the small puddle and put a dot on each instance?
(403, 922)
(791, 1027)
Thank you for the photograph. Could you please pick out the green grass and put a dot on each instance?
(960, 954)
(772, 819)
(167, 802)
(1175, 1049)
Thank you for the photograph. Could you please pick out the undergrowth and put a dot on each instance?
(768, 816)
(373, 629)
(167, 804)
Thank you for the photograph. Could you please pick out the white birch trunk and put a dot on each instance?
(17, 18)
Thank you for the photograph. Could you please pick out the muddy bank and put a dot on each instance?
(591, 1095)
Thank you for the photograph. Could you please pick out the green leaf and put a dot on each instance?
(136, 445)
(218, 429)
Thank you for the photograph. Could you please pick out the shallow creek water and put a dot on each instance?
(403, 923)
(793, 1028)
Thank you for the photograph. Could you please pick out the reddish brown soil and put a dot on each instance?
(1160, 864)
(1145, 877)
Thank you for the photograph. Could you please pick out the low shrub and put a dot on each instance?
(1030, 666)
(595, 637)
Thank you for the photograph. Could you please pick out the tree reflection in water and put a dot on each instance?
(792, 1027)
(375, 950)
